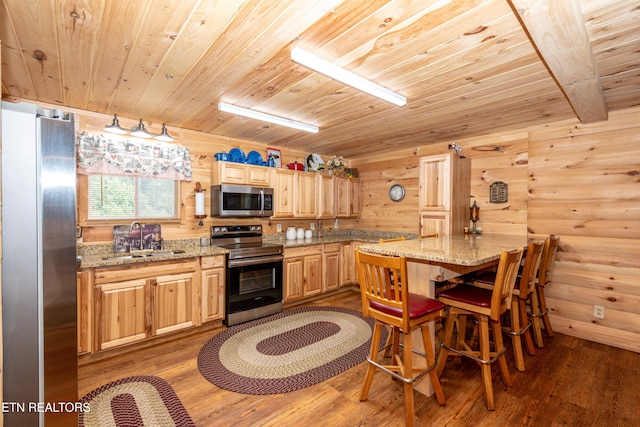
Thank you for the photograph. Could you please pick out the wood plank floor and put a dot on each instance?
(569, 382)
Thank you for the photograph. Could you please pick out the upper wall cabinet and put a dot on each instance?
(311, 195)
(283, 182)
(239, 174)
(445, 191)
(348, 199)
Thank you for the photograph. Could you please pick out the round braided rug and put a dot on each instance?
(287, 351)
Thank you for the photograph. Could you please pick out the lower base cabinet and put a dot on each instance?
(123, 313)
(302, 272)
(173, 303)
(138, 302)
(331, 267)
(212, 283)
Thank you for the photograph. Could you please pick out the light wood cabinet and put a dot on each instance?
(305, 195)
(173, 302)
(331, 267)
(348, 197)
(212, 284)
(123, 313)
(240, 174)
(325, 189)
(444, 194)
(302, 272)
(312, 195)
(435, 222)
(84, 314)
(284, 193)
(348, 268)
(140, 301)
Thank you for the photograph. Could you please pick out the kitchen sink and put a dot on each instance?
(165, 253)
(121, 257)
(142, 255)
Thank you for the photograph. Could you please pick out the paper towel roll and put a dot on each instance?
(200, 203)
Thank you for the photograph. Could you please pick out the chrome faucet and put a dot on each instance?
(133, 227)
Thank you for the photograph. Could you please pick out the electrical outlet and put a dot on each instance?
(279, 228)
(335, 224)
(598, 312)
(312, 226)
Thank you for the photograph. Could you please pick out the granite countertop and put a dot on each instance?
(460, 250)
(102, 255)
(336, 236)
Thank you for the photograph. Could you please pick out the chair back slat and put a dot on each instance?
(383, 279)
(548, 258)
(506, 276)
(530, 268)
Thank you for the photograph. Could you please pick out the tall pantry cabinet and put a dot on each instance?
(445, 192)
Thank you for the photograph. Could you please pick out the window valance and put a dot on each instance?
(97, 154)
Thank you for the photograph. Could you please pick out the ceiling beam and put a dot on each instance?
(558, 32)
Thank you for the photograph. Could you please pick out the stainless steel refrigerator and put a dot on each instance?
(40, 370)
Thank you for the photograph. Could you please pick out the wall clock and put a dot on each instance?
(396, 192)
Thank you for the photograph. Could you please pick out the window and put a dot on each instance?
(123, 197)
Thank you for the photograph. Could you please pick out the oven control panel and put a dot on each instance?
(238, 230)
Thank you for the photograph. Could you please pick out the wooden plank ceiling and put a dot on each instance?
(466, 67)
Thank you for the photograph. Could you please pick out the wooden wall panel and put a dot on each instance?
(581, 182)
(498, 157)
(584, 186)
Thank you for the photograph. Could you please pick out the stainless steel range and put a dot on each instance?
(254, 272)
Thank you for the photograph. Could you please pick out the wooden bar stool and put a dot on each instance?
(539, 310)
(405, 312)
(522, 294)
(393, 337)
(486, 306)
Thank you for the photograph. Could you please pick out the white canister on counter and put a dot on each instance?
(308, 234)
(291, 233)
(300, 233)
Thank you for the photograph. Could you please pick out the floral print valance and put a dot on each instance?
(97, 154)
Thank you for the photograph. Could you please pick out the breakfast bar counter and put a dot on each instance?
(437, 259)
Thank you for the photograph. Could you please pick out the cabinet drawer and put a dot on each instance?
(216, 261)
(303, 251)
(332, 247)
(143, 270)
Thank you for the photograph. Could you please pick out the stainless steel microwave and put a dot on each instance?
(241, 201)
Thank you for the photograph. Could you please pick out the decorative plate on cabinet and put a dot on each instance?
(254, 158)
(237, 155)
(315, 162)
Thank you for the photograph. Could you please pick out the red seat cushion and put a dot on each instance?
(488, 277)
(418, 306)
(468, 295)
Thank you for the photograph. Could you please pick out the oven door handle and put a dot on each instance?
(242, 262)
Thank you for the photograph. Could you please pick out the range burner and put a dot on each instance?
(254, 272)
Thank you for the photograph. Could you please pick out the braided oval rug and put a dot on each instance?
(134, 401)
(287, 351)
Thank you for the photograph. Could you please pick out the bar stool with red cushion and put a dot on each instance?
(395, 306)
(522, 294)
(539, 310)
(486, 306)
(394, 336)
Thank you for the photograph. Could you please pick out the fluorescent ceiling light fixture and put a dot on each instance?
(322, 66)
(228, 108)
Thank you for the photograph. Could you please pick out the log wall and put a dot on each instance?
(581, 182)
